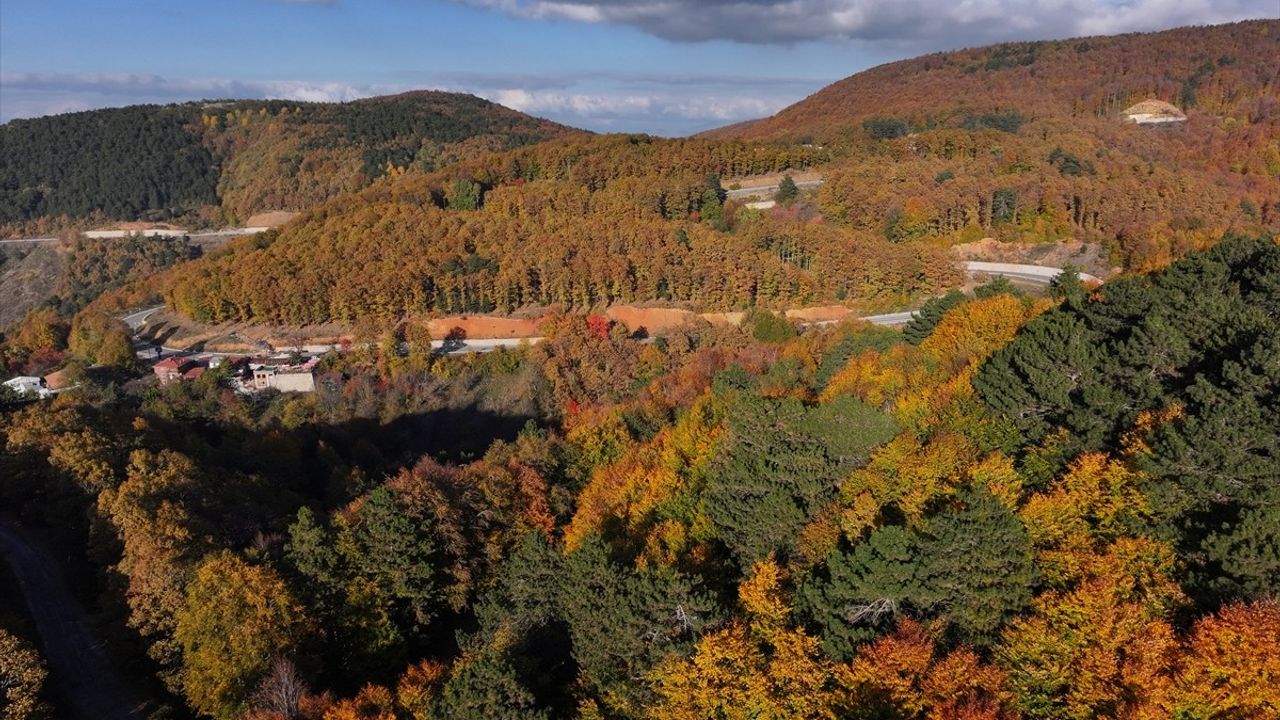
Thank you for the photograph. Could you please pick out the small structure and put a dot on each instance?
(1154, 112)
(283, 378)
(28, 385)
(174, 369)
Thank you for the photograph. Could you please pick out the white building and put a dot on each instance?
(28, 384)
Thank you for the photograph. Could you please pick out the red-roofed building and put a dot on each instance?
(172, 369)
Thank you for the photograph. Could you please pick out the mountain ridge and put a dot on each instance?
(864, 94)
(223, 160)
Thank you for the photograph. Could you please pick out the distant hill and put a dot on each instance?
(1031, 142)
(229, 159)
(1224, 70)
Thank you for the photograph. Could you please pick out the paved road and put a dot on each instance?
(136, 320)
(1030, 273)
(89, 684)
(227, 233)
(203, 235)
(28, 241)
(768, 190)
(1033, 273)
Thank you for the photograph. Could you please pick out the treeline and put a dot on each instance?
(161, 162)
(983, 522)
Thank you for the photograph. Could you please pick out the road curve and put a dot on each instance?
(1033, 273)
(135, 320)
(90, 687)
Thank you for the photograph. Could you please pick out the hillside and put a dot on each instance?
(579, 223)
(224, 161)
(1228, 71)
(1020, 508)
(1029, 142)
(964, 146)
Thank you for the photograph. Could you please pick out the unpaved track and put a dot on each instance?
(88, 684)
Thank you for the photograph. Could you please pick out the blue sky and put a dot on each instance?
(668, 67)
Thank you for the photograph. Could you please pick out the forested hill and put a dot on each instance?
(1224, 70)
(579, 223)
(230, 159)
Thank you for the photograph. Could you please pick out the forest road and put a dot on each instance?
(88, 685)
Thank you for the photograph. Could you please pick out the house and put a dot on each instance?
(1154, 112)
(173, 369)
(28, 385)
(283, 378)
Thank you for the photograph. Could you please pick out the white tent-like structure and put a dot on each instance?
(1154, 112)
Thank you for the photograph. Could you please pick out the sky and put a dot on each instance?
(666, 67)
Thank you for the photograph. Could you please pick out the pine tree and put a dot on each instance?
(787, 191)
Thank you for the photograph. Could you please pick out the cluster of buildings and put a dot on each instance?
(247, 375)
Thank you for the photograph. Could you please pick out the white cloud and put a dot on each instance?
(655, 103)
(928, 24)
(156, 88)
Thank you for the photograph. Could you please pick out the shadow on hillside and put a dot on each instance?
(448, 434)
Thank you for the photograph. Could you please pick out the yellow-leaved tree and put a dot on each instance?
(759, 668)
(237, 618)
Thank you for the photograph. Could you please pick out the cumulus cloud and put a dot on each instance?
(920, 23)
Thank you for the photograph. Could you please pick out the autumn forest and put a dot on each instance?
(1029, 500)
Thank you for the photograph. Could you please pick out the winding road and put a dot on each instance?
(90, 687)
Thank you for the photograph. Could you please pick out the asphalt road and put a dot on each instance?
(89, 685)
(28, 241)
(768, 190)
(202, 236)
(136, 320)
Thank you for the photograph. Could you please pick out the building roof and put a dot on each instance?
(1158, 108)
(23, 380)
(57, 380)
(174, 363)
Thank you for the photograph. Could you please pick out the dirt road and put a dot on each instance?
(88, 685)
